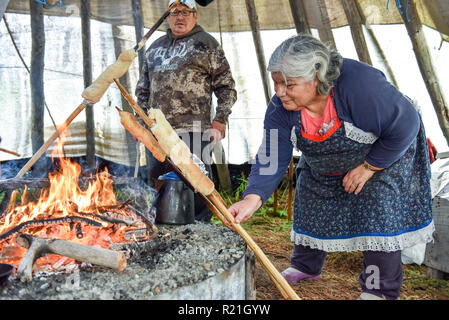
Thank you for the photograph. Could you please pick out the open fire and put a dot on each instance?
(64, 211)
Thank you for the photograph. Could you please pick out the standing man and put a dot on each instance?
(181, 71)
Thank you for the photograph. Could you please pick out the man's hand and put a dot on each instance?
(218, 131)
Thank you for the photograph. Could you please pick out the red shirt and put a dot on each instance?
(320, 126)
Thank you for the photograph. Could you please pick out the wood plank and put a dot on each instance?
(222, 168)
(437, 253)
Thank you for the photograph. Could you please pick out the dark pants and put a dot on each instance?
(203, 150)
(381, 275)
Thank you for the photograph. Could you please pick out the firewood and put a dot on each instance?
(10, 253)
(38, 247)
(11, 184)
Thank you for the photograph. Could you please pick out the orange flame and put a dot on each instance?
(64, 198)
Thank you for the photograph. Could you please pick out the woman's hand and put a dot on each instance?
(355, 180)
(244, 209)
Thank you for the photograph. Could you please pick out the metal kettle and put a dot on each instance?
(175, 201)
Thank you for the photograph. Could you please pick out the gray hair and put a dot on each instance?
(302, 56)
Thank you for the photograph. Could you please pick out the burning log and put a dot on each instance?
(39, 223)
(38, 247)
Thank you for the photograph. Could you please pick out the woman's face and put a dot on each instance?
(297, 94)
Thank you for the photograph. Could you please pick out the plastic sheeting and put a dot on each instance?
(64, 83)
(231, 15)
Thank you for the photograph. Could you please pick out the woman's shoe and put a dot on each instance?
(369, 296)
(293, 275)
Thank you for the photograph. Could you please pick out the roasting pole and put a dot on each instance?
(213, 200)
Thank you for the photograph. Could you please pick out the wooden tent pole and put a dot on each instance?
(325, 32)
(87, 77)
(300, 16)
(37, 81)
(290, 192)
(139, 30)
(428, 72)
(224, 178)
(377, 45)
(138, 27)
(254, 22)
(355, 23)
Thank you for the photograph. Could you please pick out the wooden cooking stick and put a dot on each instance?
(38, 247)
(10, 152)
(274, 274)
(46, 145)
(218, 207)
(156, 25)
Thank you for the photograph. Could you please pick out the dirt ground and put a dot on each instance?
(340, 272)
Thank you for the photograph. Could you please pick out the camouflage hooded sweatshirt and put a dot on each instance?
(179, 76)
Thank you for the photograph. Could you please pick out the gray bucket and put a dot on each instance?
(175, 201)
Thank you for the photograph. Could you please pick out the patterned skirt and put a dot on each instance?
(392, 212)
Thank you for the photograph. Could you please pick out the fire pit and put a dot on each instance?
(70, 221)
(78, 211)
(195, 261)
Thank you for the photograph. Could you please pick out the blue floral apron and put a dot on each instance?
(392, 212)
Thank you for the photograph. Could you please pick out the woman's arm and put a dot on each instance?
(374, 105)
(275, 152)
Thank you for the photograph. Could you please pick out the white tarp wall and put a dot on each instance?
(64, 83)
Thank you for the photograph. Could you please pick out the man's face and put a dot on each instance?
(182, 20)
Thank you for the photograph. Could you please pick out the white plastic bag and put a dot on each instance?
(415, 254)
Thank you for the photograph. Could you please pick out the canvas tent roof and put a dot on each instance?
(231, 15)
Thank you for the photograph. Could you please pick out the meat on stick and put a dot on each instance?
(170, 144)
(96, 90)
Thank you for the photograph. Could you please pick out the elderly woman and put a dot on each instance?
(364, 172)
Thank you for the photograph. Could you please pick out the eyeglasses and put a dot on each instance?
(184, 13)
